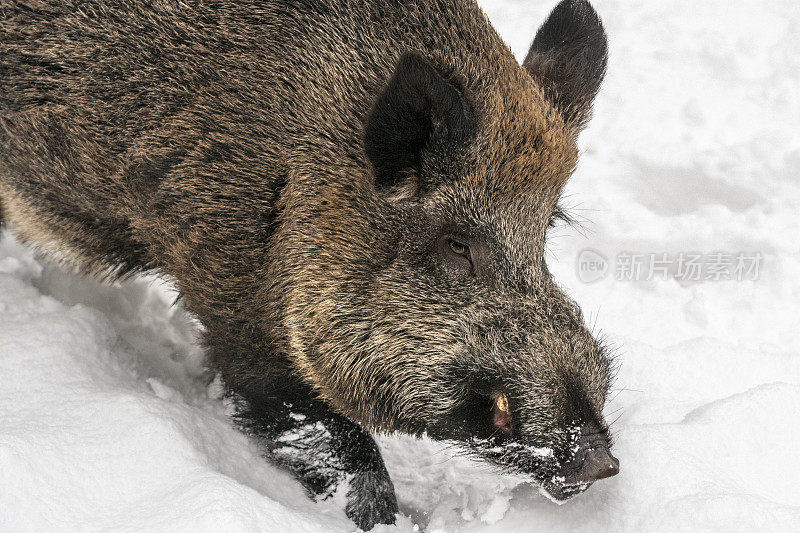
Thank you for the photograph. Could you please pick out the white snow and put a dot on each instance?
(107, 420)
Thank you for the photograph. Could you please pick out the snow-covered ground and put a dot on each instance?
(106, 420)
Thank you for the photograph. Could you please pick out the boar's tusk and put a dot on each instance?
(501, 401)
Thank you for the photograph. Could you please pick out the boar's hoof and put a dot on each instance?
(371, 500)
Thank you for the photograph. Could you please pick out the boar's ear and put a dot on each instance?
(421, 112)
(568, 58)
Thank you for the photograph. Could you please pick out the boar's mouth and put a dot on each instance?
(485, 423)
(589, 459)
(559, 493)
(585, 457)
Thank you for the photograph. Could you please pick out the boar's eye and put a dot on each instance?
(459, 248)
(456, 252)
(459, 251)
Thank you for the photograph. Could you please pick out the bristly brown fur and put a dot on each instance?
(293, 165)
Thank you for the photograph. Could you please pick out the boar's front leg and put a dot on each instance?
(323, 449)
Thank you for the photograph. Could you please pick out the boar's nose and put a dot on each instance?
(598, 463)
(592, 460)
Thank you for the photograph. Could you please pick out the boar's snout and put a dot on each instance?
(598, 463)
(591, 461)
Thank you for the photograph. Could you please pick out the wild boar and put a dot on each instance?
(352, 196)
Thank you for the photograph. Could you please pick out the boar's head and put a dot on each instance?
(436, 312)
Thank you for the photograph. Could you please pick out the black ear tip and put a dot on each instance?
(581, 8)
(568, 58)
(568, 18)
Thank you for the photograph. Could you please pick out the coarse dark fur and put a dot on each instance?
(352, 196)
